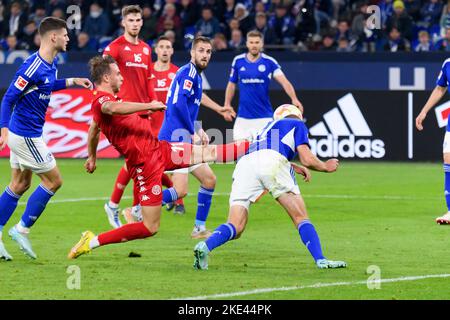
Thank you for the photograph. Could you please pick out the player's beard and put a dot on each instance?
(200, 64)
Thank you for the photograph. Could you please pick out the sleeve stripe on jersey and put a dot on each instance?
(34, 66)
(192, 72)
(270, 58)
(236, 58)
(447, 60)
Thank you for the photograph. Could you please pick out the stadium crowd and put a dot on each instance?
(313, 25)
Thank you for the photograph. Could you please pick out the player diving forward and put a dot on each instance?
(146, 157)
(22, 119)
(438, 92)
(266, 166)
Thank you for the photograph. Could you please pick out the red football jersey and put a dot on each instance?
(161, 81)
(130, 134)
(135, 64)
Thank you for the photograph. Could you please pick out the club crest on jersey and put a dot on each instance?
(156, 190)
(262, 68)
(20, 83)
(146, 51)
(171, 75)
(187, 85)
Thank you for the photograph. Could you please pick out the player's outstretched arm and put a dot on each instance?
(289, 89)
(114, 108)
(93, 138)
(434, 98)
(226, 111)
(309, 160)
(229, 93)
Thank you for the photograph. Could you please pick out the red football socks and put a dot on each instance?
(121, 182)
(127, 232)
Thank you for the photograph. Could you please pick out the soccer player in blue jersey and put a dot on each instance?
(183, 101)
(437, 94)
(253, 71)
(266, 166)
(22, 118)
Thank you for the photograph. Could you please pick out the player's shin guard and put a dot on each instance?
(8, 203)
(203, 205)
(222, 234)
(310, 239)
(169, 195)
(447, 185)
(36, 205)
(127, 232)
(119, 186)
(231, 151)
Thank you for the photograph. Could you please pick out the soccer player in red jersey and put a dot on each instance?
(134, 58)
(146, 157)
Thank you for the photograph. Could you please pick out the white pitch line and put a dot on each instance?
(313, 286)
(221, 194)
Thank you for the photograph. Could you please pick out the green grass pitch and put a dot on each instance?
(368, 214)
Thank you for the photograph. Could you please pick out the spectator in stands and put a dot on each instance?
(283, 25)
(396, 42)
(413, 8)
(208, 25)
(188, 13)
(261, 26)
(343, 45)
(169, 26)
(233, 24)
(58, 13)
(227, 11)
(12, 43)
(328, 43)
(114, 11)
(401, 20)
(445, 17)
(219, 42)
(260, 7)
(386, 10)
(38, 15)
(430, 13)
(169, 13)
(171, 35)
(148, 30)
(85, 44)
(323, 12)
(237, 40)
(424, 44)
(444, 44)
(15, 21)
(343, 30)
(29, 32)
(243, 16)
(97, 23)
(52, 5)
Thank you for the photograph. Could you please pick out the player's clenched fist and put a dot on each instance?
(90, 165)
(332, 165)
(157, 106)
(419, 120)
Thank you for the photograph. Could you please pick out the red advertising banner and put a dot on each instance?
(67, 124)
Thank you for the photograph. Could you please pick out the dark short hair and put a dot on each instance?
(199, 39)
(161, 38)
(99, 66)
(50, 24)
(131, 9)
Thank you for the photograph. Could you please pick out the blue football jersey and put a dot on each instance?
(183, 102)
(28, 96)
(282, 136)
(444, 75)
(253, 80)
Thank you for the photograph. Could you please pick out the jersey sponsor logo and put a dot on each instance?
(442, 112)
(156, 190)
(252, 80)
(146, 51)
(197, 102)
(137, 57)
(20, 83)
(134, 64)
(340, 130)
(44, 96)
(187, 85)
(103, 99)
(261, 68)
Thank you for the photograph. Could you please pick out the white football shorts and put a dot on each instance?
(246, 129)
(186, 170)
(30, 153)
(260, 171)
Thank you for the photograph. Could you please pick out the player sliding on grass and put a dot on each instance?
(146, 157)
(438, 92)
(266, 166)
(22, 120)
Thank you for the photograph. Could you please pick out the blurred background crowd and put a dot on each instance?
(299, 25)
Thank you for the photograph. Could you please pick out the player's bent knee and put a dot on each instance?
(19, 187)
(446, 157)
(209, 181)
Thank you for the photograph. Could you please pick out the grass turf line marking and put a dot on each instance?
(322, 196)
(313, 286)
